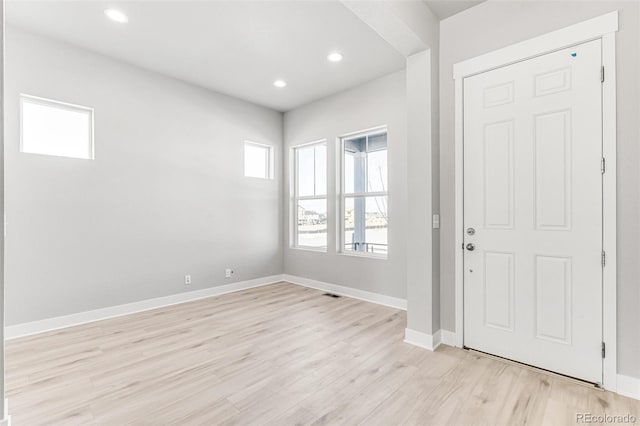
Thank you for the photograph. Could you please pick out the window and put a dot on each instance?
(54, 128)
(310, 196)
(258, 160)
(364, 213)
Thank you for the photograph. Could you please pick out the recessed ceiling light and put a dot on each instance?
(116, 15)
(335, 57)
(280, 83)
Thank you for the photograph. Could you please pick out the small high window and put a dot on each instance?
(258, 160)
(364, 211)
(55, 128)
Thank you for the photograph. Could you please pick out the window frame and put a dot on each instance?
(269, 160)
(52, 103)
(296, 198)
(344, 195)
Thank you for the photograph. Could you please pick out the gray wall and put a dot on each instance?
(380, 102)
(495, 24)
(3, 408)
(164, 197)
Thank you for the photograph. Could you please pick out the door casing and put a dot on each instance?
(603, 27)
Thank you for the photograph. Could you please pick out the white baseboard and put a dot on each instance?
(367, 296)
(50, 324)
(6, 420)
(56, 323)
(628, 386)
(423, 340)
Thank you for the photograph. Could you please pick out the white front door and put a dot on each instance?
(533, 211)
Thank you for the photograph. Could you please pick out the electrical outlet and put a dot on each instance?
(436, 221)
(228, 273)
(187, 279)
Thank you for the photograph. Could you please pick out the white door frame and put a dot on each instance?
(603, 27)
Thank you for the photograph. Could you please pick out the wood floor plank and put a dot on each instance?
(276, 355)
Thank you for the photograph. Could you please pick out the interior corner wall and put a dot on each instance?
(377, 103)
(435, 180)
(164, 197)
(496, 24)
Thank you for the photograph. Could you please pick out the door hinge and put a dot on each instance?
(603, 166)
(604, 350)
(604, 259)
(602, 74)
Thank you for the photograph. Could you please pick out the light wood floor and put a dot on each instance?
(278, 355)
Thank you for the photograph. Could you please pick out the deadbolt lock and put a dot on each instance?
(471, 231)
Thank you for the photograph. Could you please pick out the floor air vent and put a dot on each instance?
(335, 296)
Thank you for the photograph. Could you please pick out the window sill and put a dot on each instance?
(312, 249)
(365, 255)
(256, 178)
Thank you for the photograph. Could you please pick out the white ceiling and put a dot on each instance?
(445, 8)
(234, 47)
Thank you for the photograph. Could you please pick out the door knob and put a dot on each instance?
(471, 247)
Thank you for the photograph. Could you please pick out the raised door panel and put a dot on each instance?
(552, 139)
(498, 290)
(498, 175)
(553, 285)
